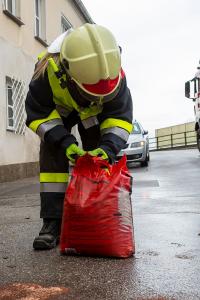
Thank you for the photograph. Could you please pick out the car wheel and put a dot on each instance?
(145, 162)
(198, 140)
(148, 157)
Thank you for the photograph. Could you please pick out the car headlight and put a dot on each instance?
(137, 144)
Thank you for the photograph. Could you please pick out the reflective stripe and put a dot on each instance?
(116, 123)
(63, 97)
(35, 124)
(45, 127)
(54, 177)
(42, 54)
(63, 111)
(122, 133)
(60, 96)
(53, 64)
(90, 122)
(53, 187)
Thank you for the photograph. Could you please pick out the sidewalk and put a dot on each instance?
(166, 205)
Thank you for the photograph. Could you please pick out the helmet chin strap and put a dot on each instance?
(98, 103)
(92, 99)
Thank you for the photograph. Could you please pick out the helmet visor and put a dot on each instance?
(103, 87)
(99, 98)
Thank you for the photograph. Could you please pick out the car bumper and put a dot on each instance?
(138, 154)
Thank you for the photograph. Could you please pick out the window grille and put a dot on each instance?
(16, 94)
(65, 24)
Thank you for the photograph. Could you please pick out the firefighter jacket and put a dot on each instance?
(49, 101)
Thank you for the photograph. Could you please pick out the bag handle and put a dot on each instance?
(90, 162)
(102, 163)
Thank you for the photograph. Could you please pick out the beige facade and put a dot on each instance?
(177, 135)
(26, 28)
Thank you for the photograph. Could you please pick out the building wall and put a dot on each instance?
(177, 135)
(14, 148)
(23, 36)
(19, 50)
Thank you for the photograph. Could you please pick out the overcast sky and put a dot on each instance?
(161, 49)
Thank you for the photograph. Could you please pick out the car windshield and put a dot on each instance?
(136, 129)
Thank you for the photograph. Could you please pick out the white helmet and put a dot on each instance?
(91, 57)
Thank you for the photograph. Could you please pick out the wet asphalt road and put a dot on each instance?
(166, 205)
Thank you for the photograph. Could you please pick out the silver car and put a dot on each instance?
(137, 147)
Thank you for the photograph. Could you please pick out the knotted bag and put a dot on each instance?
(97, 216)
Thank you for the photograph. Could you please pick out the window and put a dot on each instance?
(65, 24)
(15, 94)
(12, 9)
(136, 129)
(40, 21)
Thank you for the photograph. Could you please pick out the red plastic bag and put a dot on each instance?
(97, 216)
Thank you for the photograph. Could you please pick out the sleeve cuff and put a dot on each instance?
(60, 136)
(109, 152)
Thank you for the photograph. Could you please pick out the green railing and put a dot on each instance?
(173, 141)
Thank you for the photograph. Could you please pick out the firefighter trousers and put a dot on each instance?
(54, 169)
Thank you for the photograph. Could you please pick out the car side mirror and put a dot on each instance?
(187, 89)
(145, 132)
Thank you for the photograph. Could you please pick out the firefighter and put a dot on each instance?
(78, 80)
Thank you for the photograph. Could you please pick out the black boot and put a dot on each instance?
(49, 235)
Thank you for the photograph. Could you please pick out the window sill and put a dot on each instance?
(14, 18)
(40, 40)
(10, 130)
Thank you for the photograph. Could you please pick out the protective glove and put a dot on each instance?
(73, 151)
(100, 153)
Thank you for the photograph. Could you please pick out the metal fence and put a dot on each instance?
(174, 140)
